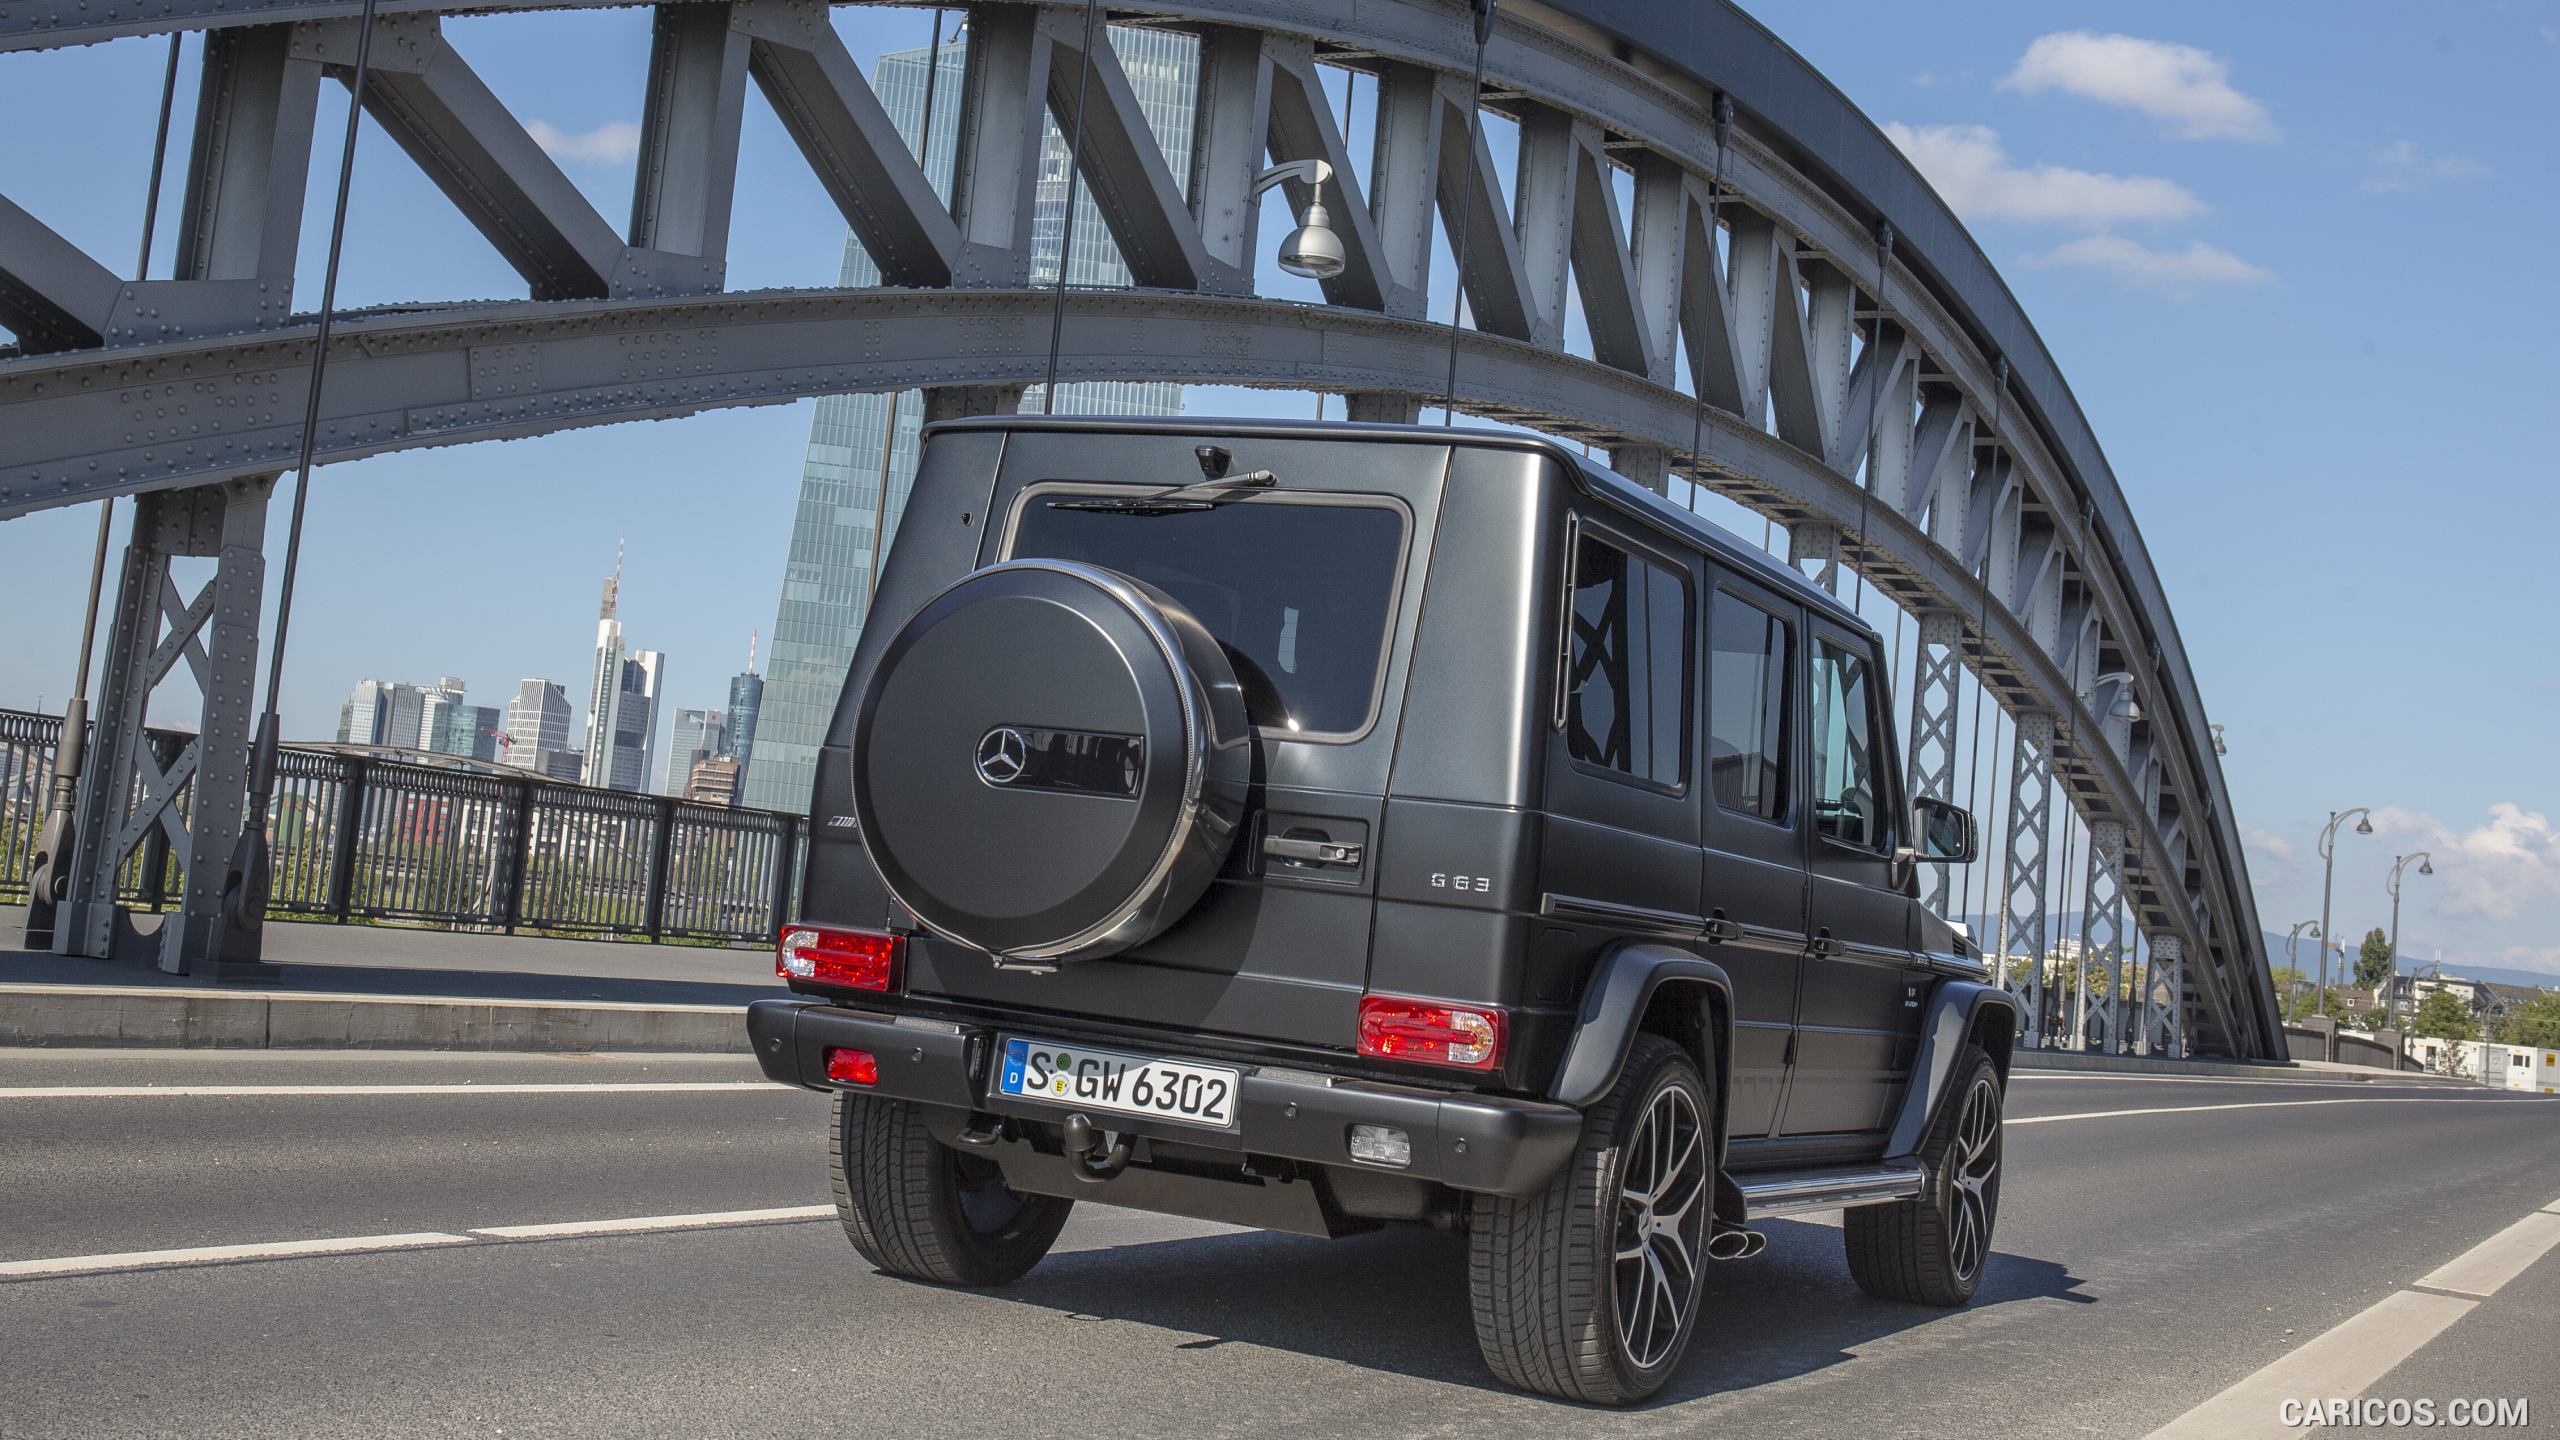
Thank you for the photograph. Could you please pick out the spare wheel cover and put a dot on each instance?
(1049, 761)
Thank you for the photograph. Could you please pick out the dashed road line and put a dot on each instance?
(64, 1266)
(223, 1254)
(639, 1224)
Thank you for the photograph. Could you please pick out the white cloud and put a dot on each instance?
(2188, 87)
(2401, 167)
(2492, 871)
(609, 143)
(1974, 175)
(2178, 274)
(2266, 843)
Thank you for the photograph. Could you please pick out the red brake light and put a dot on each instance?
(1467, 1036)
(852, 1067)
(845, 959)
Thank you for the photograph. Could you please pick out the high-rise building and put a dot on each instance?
(862, 448)
(746, 702)
(697, 736)
(387, 713)
(635, 716)
(453, 728)
(537, 721)
(604, 684)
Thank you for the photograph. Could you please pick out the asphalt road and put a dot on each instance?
(2146, 1262)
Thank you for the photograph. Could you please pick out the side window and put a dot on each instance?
(1626, 681)
(1748, 665)
(1845, 797)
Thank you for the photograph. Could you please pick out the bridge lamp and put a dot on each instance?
(2426, 866)
(2328, 881)
(2218, 747)
(2126, 707)
(1312, 250)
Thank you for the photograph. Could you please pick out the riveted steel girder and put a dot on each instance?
(1823, 353)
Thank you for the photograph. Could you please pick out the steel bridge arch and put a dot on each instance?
(1844, 288)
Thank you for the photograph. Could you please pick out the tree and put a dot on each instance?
(2536, 1022)
(2373, 960)
(2444, 1016)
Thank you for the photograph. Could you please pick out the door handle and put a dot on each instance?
(1823, 947)
(1718, 930)
(1311, 852)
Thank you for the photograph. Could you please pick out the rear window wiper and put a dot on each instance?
(1177, 499)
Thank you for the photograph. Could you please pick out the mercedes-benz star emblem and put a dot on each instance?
(1003, 755)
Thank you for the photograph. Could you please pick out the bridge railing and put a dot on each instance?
(359, 836)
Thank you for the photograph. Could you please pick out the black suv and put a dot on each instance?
(1317, 826)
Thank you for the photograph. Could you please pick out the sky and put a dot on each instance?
(2277, 261)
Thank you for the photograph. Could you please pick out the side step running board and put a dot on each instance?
(1794, 1191)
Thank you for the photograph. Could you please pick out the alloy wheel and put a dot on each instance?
(1976, 1191)
(1662, 1223)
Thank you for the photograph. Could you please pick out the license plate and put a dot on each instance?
(1083, 1078)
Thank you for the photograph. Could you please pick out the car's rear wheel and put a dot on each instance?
(918, 1208)
(1931, 1250)
(1589, 1289)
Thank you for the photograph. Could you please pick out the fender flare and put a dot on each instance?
(1955, 1010)
(1613, 1005)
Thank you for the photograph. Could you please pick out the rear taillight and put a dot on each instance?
(1467, 1036)
(852, 1067)
(844, 959)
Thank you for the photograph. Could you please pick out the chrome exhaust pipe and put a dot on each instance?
(1735, 1244)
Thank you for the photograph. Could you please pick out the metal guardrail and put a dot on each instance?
(365, 836)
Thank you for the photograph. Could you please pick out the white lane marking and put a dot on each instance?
(358, 1244)
(2356, 1354)
(601, 1087)
(637, 1223)
(2342, 1362)
(220, 1254)
(2261, 1105)
(2483, 1268)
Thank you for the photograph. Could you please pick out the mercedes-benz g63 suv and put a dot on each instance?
(1318, 827)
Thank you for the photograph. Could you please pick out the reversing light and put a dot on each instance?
(843, 959)
(852, 1067)
(1393, 1028)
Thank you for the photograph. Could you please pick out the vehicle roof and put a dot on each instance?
(1599, 480)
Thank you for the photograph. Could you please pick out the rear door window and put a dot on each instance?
(1748, 670)
(1300, 593)
(1626, 681)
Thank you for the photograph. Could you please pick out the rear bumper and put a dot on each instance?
(1481, 1143)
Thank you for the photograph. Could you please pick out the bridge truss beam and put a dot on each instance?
(1867, 379)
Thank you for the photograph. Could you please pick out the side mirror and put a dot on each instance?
(1945, 832)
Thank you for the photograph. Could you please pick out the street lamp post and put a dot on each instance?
(2291, 959)
(2328, 882)
(2426, 866)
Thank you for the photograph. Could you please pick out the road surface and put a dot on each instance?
(2161, 1242)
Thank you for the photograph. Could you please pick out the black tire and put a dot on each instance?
(1547, 1274)
(918, 1208)
(1932, 1250)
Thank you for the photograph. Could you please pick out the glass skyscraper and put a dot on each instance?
(852, 487)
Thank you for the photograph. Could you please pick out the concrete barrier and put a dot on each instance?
(93, 1015)
(2198, 1069)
